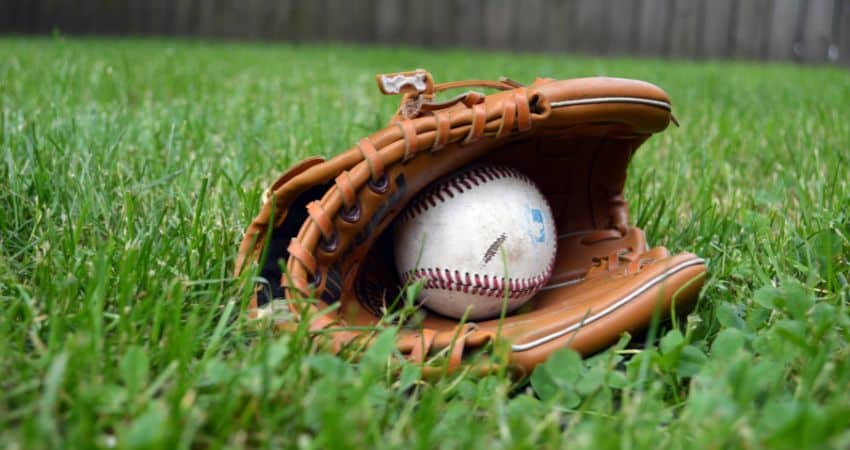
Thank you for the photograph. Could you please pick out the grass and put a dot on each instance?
(129, 169)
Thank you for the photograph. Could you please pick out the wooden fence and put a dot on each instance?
(809, 31)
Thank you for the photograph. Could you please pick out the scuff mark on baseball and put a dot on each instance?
(493, 248)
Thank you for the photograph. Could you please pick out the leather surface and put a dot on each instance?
(574, 138)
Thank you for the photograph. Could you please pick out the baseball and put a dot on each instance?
(479, 237)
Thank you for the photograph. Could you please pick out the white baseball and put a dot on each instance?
(478, 237)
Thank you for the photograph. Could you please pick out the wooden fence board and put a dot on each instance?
(844, 34)
(84, 23)
(623, 18)
(367, 20)
(753, 25)
(469, 23)
(416, 27)
(184, 23)
(129, 14)
(590, 28)
(19, 15)
(61, 16)
(389, 15)
(280, 19)
(557, 25)
(782, 29)
(206, 18)
(227, 16)
(340, 21)
(716, 32)
(441, 18)
(529, 20)
(76, 18)
(152, 21)
(162, 17)
(684, 39)
(8, 17)
(112, 17)
(222, 22)
(499, 24)
(637, 27)
(653, 21)
(64, 20)
(141, 14)
(308, 21)
(573, 33)
(249, 19)
(833, 52)
(91, 21)
(817, 31)
(266, 11)
(38, 21)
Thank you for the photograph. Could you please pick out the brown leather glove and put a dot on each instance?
(324, 221)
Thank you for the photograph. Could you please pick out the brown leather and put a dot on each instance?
(325, 220)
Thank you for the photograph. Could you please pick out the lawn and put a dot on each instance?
(129, 169)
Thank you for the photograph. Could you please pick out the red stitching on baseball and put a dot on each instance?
(478, 284)
(458, 184)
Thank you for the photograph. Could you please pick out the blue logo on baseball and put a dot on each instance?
(537, 225)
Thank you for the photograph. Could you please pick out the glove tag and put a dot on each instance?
(416, 82)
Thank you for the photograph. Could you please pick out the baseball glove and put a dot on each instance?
(325, 261)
